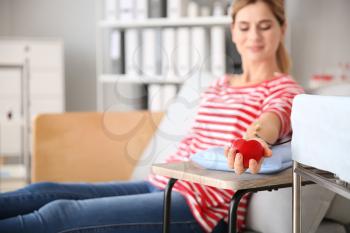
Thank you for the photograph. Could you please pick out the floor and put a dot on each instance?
(12, 176)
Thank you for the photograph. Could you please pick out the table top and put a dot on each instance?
(192, 172)
(325, 179)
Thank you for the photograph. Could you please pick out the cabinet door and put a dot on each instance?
(12, 51)
(10, 93)
(46, 83)
(45, 55)
(10, 137)
(46, 77)
(46, 104)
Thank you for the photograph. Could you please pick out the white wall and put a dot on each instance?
(319, 38)
(320, 35)
(74, 22)
(5, 9)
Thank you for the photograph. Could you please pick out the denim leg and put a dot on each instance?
(140, 213)
(34, 196)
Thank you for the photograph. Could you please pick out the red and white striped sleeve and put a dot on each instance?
(279, 101)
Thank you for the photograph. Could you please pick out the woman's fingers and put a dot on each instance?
(226, 149)
(260, 163)
(238, 164)
(231, 154)
(255, 166)
(268, 152)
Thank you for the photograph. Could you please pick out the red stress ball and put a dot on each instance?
(250, 149)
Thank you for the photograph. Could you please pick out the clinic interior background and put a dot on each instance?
(318, 38)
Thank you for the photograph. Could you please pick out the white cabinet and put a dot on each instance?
(31, 82)
(45, 73)
(11, 138)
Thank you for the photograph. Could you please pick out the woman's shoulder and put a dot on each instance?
(283, 79)
(285, 82)
(221, 80)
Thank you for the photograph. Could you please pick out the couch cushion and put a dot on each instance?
(174, 125)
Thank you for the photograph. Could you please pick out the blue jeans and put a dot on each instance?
(116, 207)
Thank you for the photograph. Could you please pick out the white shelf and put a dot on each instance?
(166, 22)
(113, 78)
(17, 171)
(11, 65)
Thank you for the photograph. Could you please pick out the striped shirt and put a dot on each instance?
(224, 114)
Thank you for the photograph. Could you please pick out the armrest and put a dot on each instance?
(90, 146)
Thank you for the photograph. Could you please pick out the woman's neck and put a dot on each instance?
(259, 72)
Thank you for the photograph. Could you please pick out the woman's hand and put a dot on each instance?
(235, 160)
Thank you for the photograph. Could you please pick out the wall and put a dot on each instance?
(320, 36)
(5, 9)
(74, 22)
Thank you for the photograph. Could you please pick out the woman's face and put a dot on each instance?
(256, 32)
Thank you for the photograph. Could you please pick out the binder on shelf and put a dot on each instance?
(152, 55)
(114, 62)
(141, 13)
(177, 8)
(169, 94)
(218, 55)
(141, 9)
(183, 49)
(218, 67)
(131, 45)
(157, 8)
(155, 96)
(129, 94)
(199, 43)
(132, 52)
(149, 63)
(169, 53)
(126, 10)
(111, 9)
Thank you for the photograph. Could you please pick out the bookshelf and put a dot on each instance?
(207, 21)
(157, 79)
(181, 44)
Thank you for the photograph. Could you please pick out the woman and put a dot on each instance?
(254, 104)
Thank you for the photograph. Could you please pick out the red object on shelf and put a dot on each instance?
(322, 77)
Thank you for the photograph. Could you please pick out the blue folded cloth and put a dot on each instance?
(214, 159)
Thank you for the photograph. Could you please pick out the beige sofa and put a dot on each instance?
(119, 146)
(99, 147)
(90, 146)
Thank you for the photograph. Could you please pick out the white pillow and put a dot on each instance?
(174, 125)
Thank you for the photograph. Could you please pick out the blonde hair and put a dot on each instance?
(277, 8)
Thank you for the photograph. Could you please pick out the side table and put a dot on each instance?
(323, 178)
(241, 184)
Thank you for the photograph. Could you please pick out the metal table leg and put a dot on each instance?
(233, 203)
(233, 209)
(296, 200)
(167, 205)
